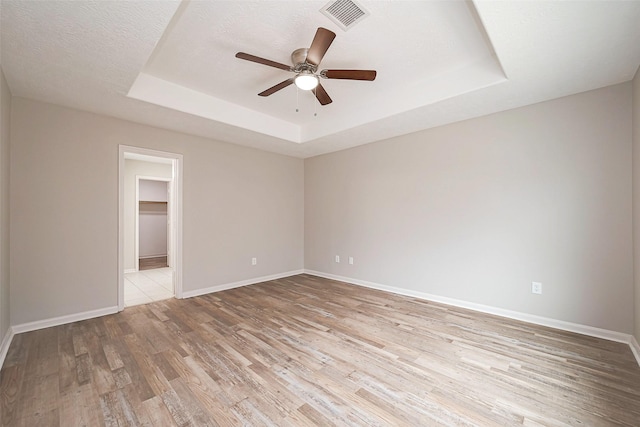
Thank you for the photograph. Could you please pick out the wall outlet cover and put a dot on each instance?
(536, 287)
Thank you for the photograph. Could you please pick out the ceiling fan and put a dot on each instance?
(305, 65)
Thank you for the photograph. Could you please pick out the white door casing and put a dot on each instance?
(175, 261)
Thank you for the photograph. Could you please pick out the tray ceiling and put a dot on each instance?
(171, 63)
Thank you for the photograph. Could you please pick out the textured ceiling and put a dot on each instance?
(197, 54)
(171, 64)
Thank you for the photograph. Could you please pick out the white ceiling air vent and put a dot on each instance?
(345, 13)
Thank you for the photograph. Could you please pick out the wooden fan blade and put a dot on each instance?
(253, 58)
(369, 75)
(319, 45)
(322, 95)
(274, 89)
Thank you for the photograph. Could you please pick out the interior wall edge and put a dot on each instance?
(250, 207)
(247, 282)
(636, 198)
(538, 320)
(63, 320)
(496, 311)
(6, 343)
(480, 209)
(48, 323)
(6, 99)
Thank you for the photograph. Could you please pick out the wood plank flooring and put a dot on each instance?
(151, 263)
(306, 351)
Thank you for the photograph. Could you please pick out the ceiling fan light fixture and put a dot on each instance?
(305, 66)
(306, 81)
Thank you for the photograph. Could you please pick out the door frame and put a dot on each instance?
(170, 243)
(176, 160)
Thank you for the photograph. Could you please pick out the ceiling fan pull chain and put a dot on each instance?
(297, 99)
(315, 104)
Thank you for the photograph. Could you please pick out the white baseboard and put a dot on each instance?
(130, 270)
(529, 318)
(538, 320)
(224, 287)
(4, 347)
(62, 320)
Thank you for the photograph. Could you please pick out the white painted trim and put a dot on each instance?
(136, 227)
(224, 287)
(176, 160)
(558, 324)
(130, 270)
(120, 291)
(63, 320)
(4, 347)
(529, 318)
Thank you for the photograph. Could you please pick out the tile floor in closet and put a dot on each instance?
(146, 286)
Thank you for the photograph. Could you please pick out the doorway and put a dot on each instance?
(153, 220)
(159, 199)
(152, 278)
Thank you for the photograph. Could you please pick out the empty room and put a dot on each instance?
(319, 213)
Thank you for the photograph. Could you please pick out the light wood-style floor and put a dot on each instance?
(307, 351)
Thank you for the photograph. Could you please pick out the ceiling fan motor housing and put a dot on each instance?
(299, 60)
(299, 55)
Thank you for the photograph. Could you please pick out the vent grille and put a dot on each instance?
(345, 13)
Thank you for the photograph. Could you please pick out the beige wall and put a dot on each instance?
(479, 209)
(238, 203)
(636, 198)
(132, 168)
(5, 121)
(475, 210)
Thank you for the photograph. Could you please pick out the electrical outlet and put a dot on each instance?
(254, 261)
(337, 258)
(351, 260)
(536, 287)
